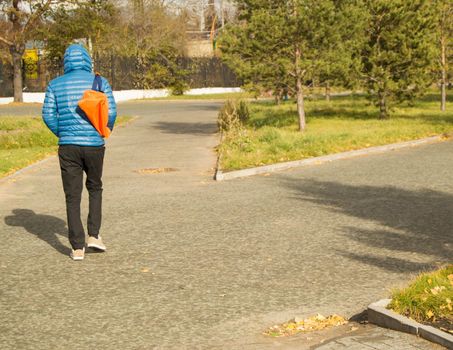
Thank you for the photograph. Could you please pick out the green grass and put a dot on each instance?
(223, 96)
(346, 123)
(429, 298)
(25, 140)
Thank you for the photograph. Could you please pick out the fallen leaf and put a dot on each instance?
(313, 323)
(437, 289)
(429, 314)
(320, 317)
(450, 277)
(298, 319)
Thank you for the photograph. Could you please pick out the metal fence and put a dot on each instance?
(124, 73)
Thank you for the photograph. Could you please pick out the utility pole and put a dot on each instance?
(202, 17)
(210, 14)
(222, 14)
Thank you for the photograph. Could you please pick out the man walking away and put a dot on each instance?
(81, 147)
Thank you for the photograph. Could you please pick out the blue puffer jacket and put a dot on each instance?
(63, 93)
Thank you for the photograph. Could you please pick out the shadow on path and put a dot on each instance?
(196, 129)
(45, 227)
(419, 222)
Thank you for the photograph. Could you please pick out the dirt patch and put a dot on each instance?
(155, 170)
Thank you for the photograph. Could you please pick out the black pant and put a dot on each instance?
(74, 160)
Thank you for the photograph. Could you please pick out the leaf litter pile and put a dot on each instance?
(311, 324)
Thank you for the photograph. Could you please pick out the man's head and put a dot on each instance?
(77, 57)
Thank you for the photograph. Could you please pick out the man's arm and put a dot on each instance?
(49, 111)
(112, 104)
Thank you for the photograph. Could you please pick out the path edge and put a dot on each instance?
(28, 167)
(222, 176)
(379, 315)
(49, 157)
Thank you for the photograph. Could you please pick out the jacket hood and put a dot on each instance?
(77, 57)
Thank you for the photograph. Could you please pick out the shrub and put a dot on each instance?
(232, 115)
(179, 88)
(243, 111)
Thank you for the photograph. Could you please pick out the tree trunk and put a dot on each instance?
(383, 111)
(17, 49)
(20, 30)
(443, 87)
(327, 92)
(17, 54)
(443, 82)
(299, 74)
(300, 104)
(299, 90)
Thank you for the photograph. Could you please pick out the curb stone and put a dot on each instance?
(383, 317)
(221, 176)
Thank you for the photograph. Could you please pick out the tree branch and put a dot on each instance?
(369, 77)
(6, 41)
(33, 18)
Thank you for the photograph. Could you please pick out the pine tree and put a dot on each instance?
(254, 51)
(398, 53)
(279, 45)
(341, 62)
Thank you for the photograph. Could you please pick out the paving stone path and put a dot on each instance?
(195, 264)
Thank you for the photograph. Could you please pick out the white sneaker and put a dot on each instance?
(77, 254)
(96, 243)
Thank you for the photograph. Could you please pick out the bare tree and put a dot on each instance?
(21, 19)
(203, 11)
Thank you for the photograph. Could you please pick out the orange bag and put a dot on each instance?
(95, 105)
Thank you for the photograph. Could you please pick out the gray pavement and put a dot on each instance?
(195, 264)
(375, 338)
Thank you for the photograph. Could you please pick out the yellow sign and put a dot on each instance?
(31, 63)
